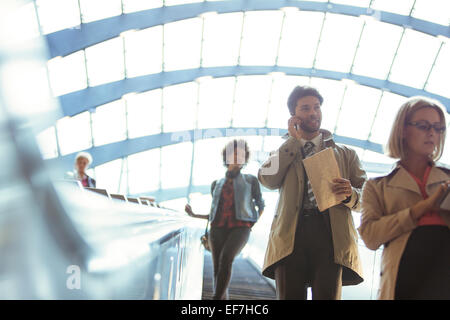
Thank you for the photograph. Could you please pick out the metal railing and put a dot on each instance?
(56, 241)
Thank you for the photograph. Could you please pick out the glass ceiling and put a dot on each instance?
(287, 37)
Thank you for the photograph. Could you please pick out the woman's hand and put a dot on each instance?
(188, 210)
(431, 203)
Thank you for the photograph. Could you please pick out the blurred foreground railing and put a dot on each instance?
(60, 242)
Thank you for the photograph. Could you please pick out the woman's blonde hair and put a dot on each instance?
(395, 147)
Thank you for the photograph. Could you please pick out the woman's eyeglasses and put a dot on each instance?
(426, 126)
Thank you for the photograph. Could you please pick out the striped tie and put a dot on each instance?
(308, 148)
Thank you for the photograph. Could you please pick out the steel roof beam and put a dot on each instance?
(67, 41)
(92, 97)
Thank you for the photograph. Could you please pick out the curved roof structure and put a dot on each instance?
(152, 87)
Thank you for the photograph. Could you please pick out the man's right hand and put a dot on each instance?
(293, 131)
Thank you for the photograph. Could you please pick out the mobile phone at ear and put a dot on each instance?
(445, 203)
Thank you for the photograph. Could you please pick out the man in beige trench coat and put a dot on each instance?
(309, 248)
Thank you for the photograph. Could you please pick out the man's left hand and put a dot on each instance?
(342, 186)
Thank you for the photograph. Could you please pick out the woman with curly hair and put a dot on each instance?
(232, 214)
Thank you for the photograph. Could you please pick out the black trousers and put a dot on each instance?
(225, 244)
(311, 264)
(424, 270)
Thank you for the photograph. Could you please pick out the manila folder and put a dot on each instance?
(321, 169)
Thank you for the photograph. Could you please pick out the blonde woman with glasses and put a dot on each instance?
(402, 209)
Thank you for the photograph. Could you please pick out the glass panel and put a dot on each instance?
(436, 11)
(47, 143)
(354, 108)
(107, 175)
(332, 92)
(260, 37)
(215, 102)
(74, 133)
(68, 14)
(336, 51)
(177, 2)
(179, 107)
(362, 291)
(138, 5)
(67, 74)
(24, 23)
(143, 51)
(389, 106)
(446, 154)
(376, 273)
(358, 3)
(92, 10)
(109, 123)
(359, 151)
(105, 62)
(221, 39)
(278, 114)
(251, 101)
(259, 236)
(414, 59)
(29, 77)
(299, 39)
(440, 75)
(144, 113)
(91, 173)
(143, 171)
(398, 6)
(201, 203)
(370, 156)
(182, 36)
(272, 143)
(252, 166)
(371, 175)
(376, 49)
(176, 165)
(208, 168)
(175, 204)
(123, 186)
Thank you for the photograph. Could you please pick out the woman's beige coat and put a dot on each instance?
(284, 171)
(386, 218)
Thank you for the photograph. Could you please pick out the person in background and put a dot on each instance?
(401, 210)
(232, 214)
(307, 247)
(82, 162)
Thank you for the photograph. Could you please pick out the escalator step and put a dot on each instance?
(246, 283)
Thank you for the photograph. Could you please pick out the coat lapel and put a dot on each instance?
(402, 179)
(437, 175)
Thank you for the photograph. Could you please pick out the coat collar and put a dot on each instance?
(439, 173)
(402, 179)
(327, 137)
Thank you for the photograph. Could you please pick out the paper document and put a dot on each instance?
(321, 169)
